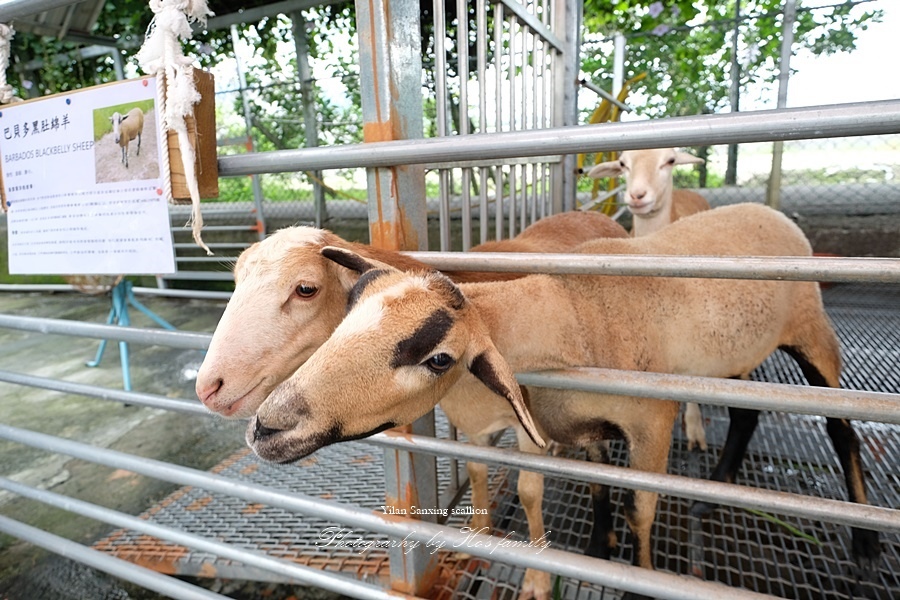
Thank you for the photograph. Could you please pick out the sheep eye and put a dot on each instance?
(622, 164)
(671, 161)
(306, 291)
(439, 363)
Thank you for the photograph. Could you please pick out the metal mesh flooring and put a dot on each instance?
(736, 547)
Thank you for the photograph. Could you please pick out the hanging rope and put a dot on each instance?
(161, 55)
(6, 90)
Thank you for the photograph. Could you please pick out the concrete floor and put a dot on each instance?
(27, 573)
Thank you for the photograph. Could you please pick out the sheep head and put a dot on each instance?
(648, 177)
(116, 120)
(287, 300)
(407, 340)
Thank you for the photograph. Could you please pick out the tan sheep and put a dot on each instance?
(126, 128)
(410, 341)
(654, 202)
(293, 299)
(649, 188)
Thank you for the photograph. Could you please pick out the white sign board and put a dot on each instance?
(83, 189)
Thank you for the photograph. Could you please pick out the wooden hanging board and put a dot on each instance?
(202, 132)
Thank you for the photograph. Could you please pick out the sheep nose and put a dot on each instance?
(638, 195)
(260, 431)
(206, 390)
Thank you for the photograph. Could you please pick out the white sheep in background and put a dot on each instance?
(288, 299)
(649, 191)
(126, 128)
(654, 203)
(410, 341)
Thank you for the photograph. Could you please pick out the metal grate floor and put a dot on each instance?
(789, 453)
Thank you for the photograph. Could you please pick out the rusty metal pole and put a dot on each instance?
(390, 53)
(390, 57)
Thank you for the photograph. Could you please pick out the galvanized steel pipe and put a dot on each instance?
(853, 515)
(93, 391)
(300, 573)
(163, 584)
(616, 575)
(881, 270)
(856, 119)
(173, 339)
(828, 402)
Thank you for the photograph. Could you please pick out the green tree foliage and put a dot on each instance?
(685, 46)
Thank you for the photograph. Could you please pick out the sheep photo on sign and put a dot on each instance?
(121, 133)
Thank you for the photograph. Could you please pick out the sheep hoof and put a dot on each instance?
(702, 509)
(697, 444)
(535, 586)
(866, 549)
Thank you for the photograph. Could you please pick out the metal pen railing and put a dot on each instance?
(566, 564)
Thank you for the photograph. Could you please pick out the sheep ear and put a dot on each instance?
(348, 259)
(494, 372)
(610, 168)
(683, 158)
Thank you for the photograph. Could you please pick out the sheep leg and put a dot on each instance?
(478, 482)
(742, 425)
(536, 584)
(648, 449)
(865, 546)
(603, 538)
(693, 427)
(138, 152)
(650, 453)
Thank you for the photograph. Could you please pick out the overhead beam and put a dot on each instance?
(254, 15)
(16, 9)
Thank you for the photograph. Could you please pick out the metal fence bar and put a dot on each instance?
(498, 117)
(529, 20)
(837, 403)
(837, 511)
(174, 339)
(149, 400)
(602, 572)
(831, 402)
(462, 70)
(857, 119)
(65, 287)
(300, 573)
(163, 584)
(810, 400)
(441, 117)
(880, 270)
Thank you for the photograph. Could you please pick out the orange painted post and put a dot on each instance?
(390, 51)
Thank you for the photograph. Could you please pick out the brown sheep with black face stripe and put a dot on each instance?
(413, 340)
